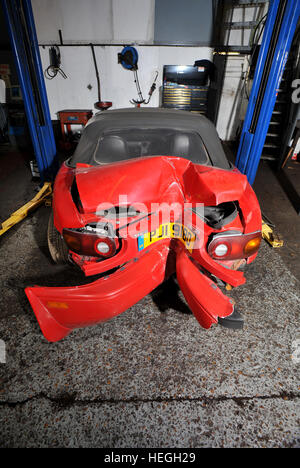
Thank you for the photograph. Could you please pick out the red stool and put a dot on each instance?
(70, 117)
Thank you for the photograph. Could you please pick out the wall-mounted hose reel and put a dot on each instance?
(128, 58)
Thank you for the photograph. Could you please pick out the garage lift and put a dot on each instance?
(282, 20)
(21, 30)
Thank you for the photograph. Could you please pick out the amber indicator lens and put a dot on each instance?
(252, 246)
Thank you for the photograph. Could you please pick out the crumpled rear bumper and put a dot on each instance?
(205, 299)
(62, 309)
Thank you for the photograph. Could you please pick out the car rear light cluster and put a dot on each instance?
(90, 242)
(233, 246)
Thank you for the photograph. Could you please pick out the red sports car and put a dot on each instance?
(148, 193)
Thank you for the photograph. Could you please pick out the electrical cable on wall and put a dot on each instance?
(55, 62)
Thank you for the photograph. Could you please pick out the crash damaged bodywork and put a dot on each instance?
(112, 217)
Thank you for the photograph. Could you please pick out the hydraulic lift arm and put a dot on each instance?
(21, 213)
(280, 28)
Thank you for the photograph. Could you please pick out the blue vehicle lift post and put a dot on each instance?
(280, 28)
(21, 29)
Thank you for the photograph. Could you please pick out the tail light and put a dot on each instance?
(90, 243)
(233, 245)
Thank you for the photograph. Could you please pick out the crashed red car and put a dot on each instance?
(148, 193)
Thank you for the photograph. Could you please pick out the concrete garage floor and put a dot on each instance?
(151, 377)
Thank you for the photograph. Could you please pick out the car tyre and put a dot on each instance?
(57, 247)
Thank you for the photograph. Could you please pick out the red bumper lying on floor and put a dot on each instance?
(60, 310)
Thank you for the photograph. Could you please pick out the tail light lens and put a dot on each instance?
(90, 243)
(234, 246)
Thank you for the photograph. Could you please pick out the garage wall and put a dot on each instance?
(111, 22)
(102, 21)
(117, 83)
(107, 22)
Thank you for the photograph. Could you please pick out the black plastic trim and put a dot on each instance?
(234, 321)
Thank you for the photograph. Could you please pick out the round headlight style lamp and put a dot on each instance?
(103, 247)
(221, 250)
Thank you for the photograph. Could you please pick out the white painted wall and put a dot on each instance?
(117, 84)
(116, 22)
(106, 22)
(102, 21)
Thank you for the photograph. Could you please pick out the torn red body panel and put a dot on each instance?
(205, 299)
(137, 221)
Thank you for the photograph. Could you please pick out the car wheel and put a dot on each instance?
(57, 247)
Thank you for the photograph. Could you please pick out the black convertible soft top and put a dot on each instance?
(148, 119)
